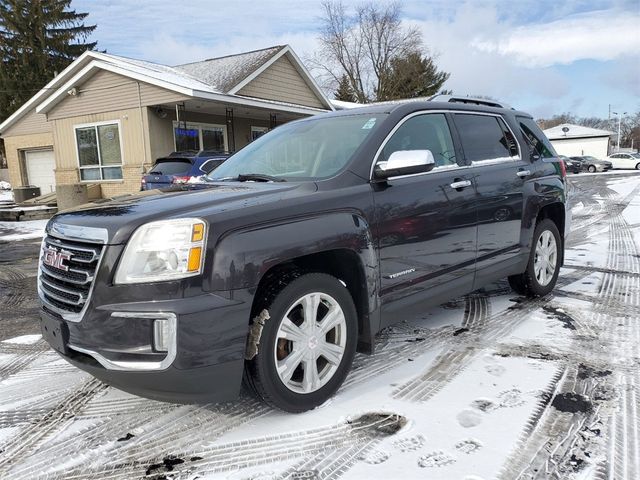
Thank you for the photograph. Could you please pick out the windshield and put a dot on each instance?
(306, 150)
(636, 155)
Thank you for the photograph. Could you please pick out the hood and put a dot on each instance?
(121, 215)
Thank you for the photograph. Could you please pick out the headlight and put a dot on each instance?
(164, 250)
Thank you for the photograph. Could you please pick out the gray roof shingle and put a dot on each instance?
(224, 73)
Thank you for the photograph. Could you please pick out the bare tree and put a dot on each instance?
(362, 47)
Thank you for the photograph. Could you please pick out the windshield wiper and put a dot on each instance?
(258, 177)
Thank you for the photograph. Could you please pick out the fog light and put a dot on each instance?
(161, 335)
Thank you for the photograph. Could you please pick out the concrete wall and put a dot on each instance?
(595, 147)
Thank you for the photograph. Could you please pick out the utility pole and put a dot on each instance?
(619, 124)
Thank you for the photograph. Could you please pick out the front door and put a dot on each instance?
(425, 223)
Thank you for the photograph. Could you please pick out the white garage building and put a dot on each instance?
(576, 140)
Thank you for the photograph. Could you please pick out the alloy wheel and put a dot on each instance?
(546, 258)
(310, 342)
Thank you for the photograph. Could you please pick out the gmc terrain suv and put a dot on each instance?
(297, 250)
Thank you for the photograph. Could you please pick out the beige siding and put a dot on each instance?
(107, 92)
(15, 147)
(282, 82)
(132, 133)
(32, 122)
(160, 136)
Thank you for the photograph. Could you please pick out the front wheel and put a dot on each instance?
(307, 344)
(544, 262)
(592, 168)
(638, 166)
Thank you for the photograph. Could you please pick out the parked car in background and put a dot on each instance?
(625, 160)
(179, 167)
(571, 166)
(593, 164)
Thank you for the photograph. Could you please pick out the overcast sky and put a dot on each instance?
(542, 56)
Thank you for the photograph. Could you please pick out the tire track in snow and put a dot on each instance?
(183, 429)
(332, 448)
(53, 421)
(566, 431)
(553, 445)
(624, 459)
(454, 360)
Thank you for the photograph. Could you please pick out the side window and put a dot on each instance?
(483, 137)
(423, 132)
(535, 138)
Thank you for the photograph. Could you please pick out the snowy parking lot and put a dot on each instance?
(486, 386)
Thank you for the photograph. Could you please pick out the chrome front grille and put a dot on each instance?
(65, 286)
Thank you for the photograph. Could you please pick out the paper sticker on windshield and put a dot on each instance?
(369, 125)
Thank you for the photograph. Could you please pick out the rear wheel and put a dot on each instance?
(544, 262)
(307, 344)
(592, 168)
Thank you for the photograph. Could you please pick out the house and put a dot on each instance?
(576, 140)
(105, 118)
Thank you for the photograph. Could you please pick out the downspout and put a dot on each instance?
(144, 140)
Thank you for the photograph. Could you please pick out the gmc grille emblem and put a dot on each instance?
(54, 258)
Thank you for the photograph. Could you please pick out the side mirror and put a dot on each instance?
(405, 162)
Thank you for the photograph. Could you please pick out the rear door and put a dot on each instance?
(500, 173)
(165, 170)
(425, 223)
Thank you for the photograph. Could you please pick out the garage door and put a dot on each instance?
(40, 166)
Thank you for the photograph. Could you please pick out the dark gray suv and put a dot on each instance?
(298, 249)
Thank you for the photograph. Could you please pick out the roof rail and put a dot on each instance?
(471, 100)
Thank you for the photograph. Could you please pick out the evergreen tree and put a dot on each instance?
(38, 39)
(411, 75)
(344, 91)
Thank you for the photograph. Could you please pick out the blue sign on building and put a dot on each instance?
(187, 132)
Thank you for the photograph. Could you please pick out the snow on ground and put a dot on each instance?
(24, 339)
(485, 386)
(11, 231)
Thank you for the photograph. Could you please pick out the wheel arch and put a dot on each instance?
(339, 243)
(345, 265)
(557, 214)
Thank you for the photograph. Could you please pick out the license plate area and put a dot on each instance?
(55, 332)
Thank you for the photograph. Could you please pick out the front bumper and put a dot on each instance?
(204, 357)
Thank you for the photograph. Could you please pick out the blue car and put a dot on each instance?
(179, 167)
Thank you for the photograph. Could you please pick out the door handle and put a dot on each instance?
(523, 173)
(460, 184)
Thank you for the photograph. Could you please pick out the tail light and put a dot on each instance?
(563, 169)
(180, 179)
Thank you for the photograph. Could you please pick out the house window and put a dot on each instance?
(257, 132)
(199, 136)
(99, 152)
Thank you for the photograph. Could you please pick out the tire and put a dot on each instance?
(638, 166)
(297, 389)
(537, 285)
(592, 168)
